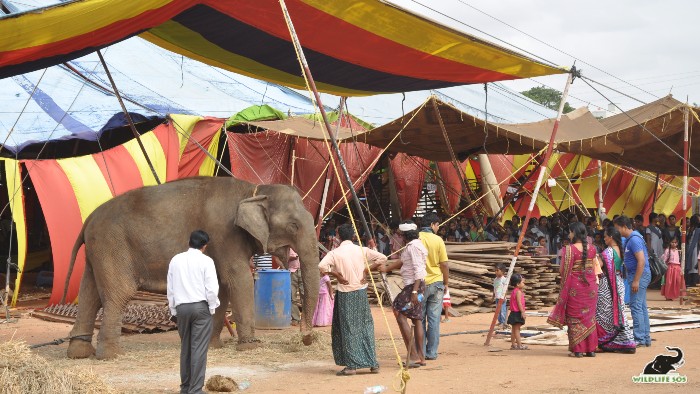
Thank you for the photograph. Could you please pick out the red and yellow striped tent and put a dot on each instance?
(354, 47)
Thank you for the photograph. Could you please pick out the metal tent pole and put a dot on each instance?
(572, 74)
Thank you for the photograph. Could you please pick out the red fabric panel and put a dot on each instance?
(193, 157)
(170, 142)
(404, 60)
(409, 175)
(120, 170)
(358, 157)
(615, 187)
(452, 185)
(63, 220)
(261, 158)
(308, 170)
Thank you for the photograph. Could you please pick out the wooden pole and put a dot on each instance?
(656, 189)
(685, 200)
(460, 173)
(535, 192)
(334, 142)
(128, 118)
(601, 208)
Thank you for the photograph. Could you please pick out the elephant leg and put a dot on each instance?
(114, 304)
(219, 316)
(242, 304)
(81, 335)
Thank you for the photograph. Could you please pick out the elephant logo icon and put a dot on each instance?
(664, 364)
(663, 368)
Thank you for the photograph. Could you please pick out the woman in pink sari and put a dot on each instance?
(576, 306)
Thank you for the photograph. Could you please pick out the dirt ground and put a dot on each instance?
(150, 364)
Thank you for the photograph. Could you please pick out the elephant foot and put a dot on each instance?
(80, 349)
(248, 344)
(107, 352)
(215, 343)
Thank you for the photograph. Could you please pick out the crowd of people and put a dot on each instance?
(605, 269)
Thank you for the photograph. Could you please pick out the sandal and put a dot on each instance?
(346, 372)
(590, 354)
(523, 347)
(576, 354)
(514, 347)
(374, 369)
(411, 365)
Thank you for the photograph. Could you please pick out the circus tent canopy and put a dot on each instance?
(353, 47)
(619, 140)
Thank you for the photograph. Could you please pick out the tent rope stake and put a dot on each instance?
(128, 118)
(574, 73)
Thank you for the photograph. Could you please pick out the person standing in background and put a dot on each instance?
(297, 286)
(436, 282)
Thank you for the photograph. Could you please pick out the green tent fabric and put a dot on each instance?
(333, 117)
(253, 114)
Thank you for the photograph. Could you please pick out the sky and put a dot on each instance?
(649, 44)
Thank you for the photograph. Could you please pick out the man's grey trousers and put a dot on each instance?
(194, 324)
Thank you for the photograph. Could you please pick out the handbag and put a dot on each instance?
(658, 267)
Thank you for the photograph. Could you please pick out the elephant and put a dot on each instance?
(130, 240)
(663, 364)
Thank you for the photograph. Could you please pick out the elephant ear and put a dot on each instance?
(252, 217)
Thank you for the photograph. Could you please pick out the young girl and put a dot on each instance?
(674, 282)
(516, 318)
(323, 316)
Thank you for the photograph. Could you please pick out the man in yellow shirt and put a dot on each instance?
(436, 282)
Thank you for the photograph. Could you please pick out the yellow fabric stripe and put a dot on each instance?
(155, 153)
(208, 166)
(184, 124)
(88, 182)
(68, 21)
(425, 36)
(199, 48)
(16, 198)
(634, 197)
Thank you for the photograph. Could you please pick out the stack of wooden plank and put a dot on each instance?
(472, 267)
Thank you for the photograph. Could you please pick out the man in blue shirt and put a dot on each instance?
(636, 260)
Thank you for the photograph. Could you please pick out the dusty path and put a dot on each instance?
(150, 364)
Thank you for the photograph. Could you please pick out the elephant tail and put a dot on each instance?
(80, 241)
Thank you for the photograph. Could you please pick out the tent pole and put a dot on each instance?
(656, 189)
(128, 118)
(334, 142)
(460, 173)
(572, 74)
(685, 199)
(601, 209)
(512, 196)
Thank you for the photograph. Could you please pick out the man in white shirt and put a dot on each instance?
(193, 290)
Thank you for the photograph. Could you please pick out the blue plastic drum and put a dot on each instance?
(273, 302)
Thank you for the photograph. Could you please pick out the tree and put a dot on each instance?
(548, 97)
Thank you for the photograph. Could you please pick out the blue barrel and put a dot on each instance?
(273, 301)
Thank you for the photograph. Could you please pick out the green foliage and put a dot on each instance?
(548, 97)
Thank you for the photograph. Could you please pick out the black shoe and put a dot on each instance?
(590, 354)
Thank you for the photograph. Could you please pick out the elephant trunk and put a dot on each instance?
(308, 258)
(679, 354)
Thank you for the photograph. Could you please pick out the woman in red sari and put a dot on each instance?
(576, 306)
